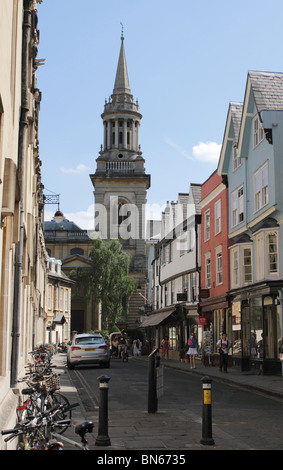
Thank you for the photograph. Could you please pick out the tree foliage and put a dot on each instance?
(107, 280)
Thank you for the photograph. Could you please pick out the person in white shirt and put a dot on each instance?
(223, 347)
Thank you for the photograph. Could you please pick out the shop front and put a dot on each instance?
(161, 323)
(176, 322)
(215, 320)
(256, 330)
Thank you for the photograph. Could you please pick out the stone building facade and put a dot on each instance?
(23, 257)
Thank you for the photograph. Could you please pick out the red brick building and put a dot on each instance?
(215, 271)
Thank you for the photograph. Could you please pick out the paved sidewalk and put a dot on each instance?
(271, 385)
(168, 429)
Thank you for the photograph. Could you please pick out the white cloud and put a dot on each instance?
(80, 169)
(204, 152)
(207, 152)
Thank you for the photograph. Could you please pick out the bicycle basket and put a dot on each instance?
(50, 383)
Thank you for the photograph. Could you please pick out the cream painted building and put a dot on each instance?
(58, 304)
(69, 243)
(23, 257)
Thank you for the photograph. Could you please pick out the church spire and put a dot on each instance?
(121, 122)
(122, 84)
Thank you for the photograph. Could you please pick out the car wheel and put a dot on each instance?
(70, 366)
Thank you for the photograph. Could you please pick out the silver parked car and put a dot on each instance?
(88, 348)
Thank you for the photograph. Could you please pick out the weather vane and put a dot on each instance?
(122, 33)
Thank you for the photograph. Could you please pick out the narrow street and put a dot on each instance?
(245, 419)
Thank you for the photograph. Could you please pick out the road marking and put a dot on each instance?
(91, 395)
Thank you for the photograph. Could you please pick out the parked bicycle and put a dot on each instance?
(45, 413)
(81, 429)
(35, 434)
(42, 394)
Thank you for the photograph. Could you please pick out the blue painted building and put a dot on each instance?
(251, 164)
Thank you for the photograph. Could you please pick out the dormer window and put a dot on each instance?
(258, 131)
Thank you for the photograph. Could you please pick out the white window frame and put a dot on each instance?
(235, 275)
(261, 180)
(56, 298)
(66, 300)
(237, 206)
(241, 265)
(271, 256)
(193, 286)
(247, 265)
(49, 297)
(61, 298)
(217, 214)
(207, 225)
(218, 266)
(208, 270)
(236, 158)
(264, 256)
(258, 131)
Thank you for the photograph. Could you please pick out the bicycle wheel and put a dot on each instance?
(56, 398)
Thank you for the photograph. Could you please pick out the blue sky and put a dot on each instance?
(186, 61)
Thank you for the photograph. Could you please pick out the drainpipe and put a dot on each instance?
(197, 223)
(26, 37)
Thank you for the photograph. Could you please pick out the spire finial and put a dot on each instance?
(122, 32)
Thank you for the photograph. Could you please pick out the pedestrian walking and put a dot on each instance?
(223, 346)
(136, 350)
(192, 351)
(165, 347)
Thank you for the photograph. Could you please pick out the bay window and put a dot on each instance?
(241, 265)
(267, 254)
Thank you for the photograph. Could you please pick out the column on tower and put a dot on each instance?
(108, 134)
(130, 133)
(105, 136)
(125, 134)
(137, 134)
(116, 133)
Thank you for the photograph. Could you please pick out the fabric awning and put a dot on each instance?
(156, 318)
(59, 319)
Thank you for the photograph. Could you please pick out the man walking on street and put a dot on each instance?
(223, 347)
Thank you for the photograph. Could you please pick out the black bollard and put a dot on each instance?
(103, 438)
(152, 402)
(206, 413)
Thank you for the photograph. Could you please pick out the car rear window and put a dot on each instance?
(89, 340)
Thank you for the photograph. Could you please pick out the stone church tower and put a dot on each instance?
(120, 183)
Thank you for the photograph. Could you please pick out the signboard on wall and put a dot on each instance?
(204, 293)
(182, 297)
(202, 320)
